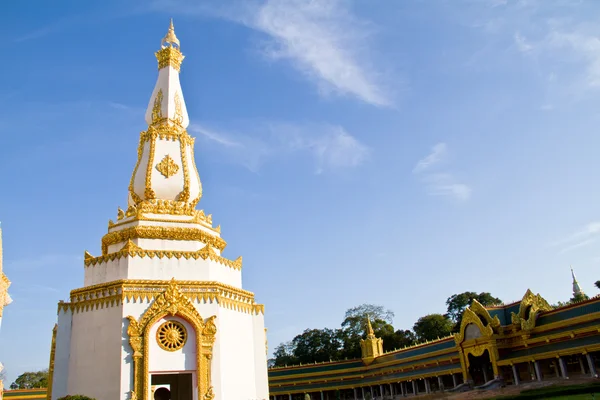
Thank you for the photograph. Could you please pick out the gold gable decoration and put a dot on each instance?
(171, 302)
(531, 305)
(470, 317)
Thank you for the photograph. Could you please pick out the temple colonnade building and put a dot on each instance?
(509, 344)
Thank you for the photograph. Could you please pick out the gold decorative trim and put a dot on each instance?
(157, 107)
(130, 249)
(167, 167)
(171, 302)
(185, 193)
(136, 199)
(169, 56)
(51, 364)
(149, 192)
(115, 293)
(198, 217)
(481, 311)
(178, 118)
(197, 199)
(167, 129)
(171, 335)
(469, 317)
(161, 232)
(532, 304)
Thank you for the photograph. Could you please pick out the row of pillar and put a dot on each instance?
(561, 370)
(403, 389)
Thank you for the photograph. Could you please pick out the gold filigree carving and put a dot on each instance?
(185, 193)
(531, 305)
(130, 249)
(169, 56)
(178, 118)
(171, 302)
(161, 232)
(171, 335)
(157, 114)
(167, 167)
(480, 310)
(469, 317)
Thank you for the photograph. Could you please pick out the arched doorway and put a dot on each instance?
(480, 368)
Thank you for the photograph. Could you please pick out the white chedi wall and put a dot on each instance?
(162, 269)
(93, 355)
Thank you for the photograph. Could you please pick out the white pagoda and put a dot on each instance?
(161, 309)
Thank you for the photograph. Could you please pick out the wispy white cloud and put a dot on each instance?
(331, 146)
(213, 135)
(321, 39)
(522, 45)
(583, 237)
(446, 185)
(437, 154)
(440, 183)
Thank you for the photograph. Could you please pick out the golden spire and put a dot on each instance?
(170, 37)
(370, 332)
(169, 53)
(371, 347)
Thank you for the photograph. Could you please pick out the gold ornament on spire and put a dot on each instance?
(170, 37)
(370, 332)
(170, 54)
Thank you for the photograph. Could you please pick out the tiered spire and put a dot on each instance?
(165, 179)
(372, 346)
(577, 292)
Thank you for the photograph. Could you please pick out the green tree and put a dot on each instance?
(317, 345)
(432, 326)
(31, 380)
(457, 303)
(76, 397)
(354, 328)
(578, 297)
(597, 284)
(284, 355)
(399, 339)
(355, 320)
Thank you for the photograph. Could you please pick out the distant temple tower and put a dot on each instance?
(161, 309)
(577, 292)
(371, 347)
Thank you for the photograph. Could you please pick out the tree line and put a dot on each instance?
(322, 345)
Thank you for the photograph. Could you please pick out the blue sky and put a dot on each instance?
(372, 151)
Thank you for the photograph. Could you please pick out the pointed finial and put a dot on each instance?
(170, 37)
(370, 331)
(576, 288)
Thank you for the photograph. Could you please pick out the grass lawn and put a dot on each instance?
(559, 392)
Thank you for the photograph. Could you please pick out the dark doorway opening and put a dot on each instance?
(480, 368)
(179, 385)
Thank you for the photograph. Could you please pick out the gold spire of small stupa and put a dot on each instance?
(170, 37)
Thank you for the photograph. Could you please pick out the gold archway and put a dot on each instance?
(478, 346)
(171, 302)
